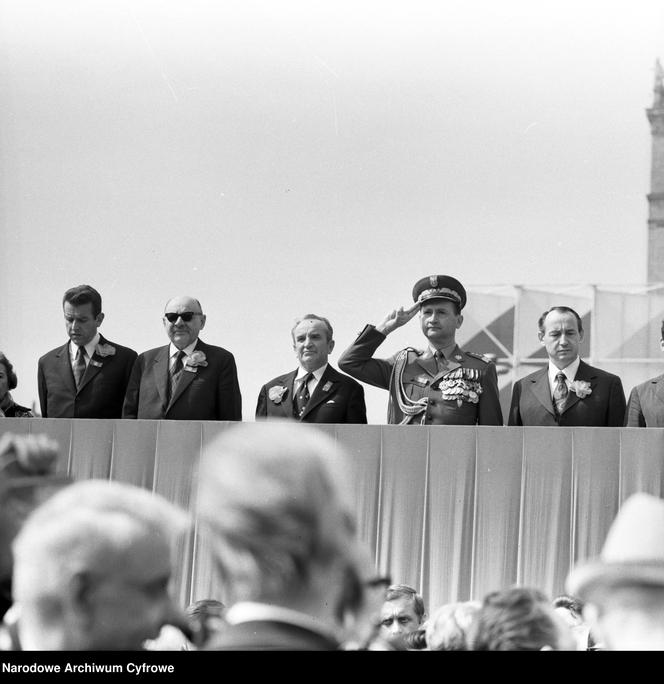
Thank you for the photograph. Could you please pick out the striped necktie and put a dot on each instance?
(175, 373)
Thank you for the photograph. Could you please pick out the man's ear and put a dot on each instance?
(459, 321)
(330, 346)
(80, 597)
(203, 319)
(661, 344)
(100, 318)
(540, 337)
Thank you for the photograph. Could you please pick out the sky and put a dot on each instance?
(280, 158)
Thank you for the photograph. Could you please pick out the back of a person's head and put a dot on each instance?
(571, 603)
(448, 626)
(518, 619)
(27, 478)
(274, 500)
(87, 526)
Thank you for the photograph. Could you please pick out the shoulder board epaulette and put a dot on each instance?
(481, 357)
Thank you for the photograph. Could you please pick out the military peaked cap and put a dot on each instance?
(440, 287)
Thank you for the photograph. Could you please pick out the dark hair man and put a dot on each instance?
(87, 377)
(568, 391)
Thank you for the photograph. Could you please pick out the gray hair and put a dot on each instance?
(79, 527)
(314, 317)
(274, 499)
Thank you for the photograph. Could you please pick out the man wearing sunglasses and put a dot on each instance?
(187, 379)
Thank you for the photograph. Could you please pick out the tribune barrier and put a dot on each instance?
(455, 511)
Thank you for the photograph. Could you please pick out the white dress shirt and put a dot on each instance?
(569, 372)
(251, 611)
(313, 382)
(89, 350)
(173, 352)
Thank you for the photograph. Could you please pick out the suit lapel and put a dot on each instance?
(160, 373)
(540, 388)
(64, 367)
(659, 388)
(583, 373)
(323, 390)
(286, 403)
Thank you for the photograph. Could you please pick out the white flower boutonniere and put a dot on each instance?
(581, 388)
(105, 350)
(276, 393)
(196, 359)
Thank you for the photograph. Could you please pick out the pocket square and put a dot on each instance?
(331, 401)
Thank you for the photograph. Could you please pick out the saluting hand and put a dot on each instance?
(397, 318)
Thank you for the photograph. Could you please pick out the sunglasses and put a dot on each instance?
(186, 316)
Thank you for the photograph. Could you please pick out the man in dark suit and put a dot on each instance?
(187, 379)
(276, 505)
(440, 385)
(567, 391)
(645, 407)
(315, 392)
(87, 377)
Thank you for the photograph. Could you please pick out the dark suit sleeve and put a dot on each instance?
(129, 366)
(489, 412)
(356, 410)
(616, 411)
(229, 398)
(634, 415)
(515, 413)
(357, 360)
(261, 405)
(41, 388)
(130, 406)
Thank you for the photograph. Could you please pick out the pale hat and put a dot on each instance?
(633, 551)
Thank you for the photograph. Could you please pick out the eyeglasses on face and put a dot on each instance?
(186, 316)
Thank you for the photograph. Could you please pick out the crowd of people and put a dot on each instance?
(441, 384)
(87, 565)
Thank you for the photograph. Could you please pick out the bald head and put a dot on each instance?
(183, 320)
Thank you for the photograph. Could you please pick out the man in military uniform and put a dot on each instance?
(440, 385)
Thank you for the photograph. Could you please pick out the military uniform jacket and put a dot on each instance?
(464, 394)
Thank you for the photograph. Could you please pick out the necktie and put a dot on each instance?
(175, 373)
(302, 396)
(441, 361)
(79, 366)
(560, 393)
